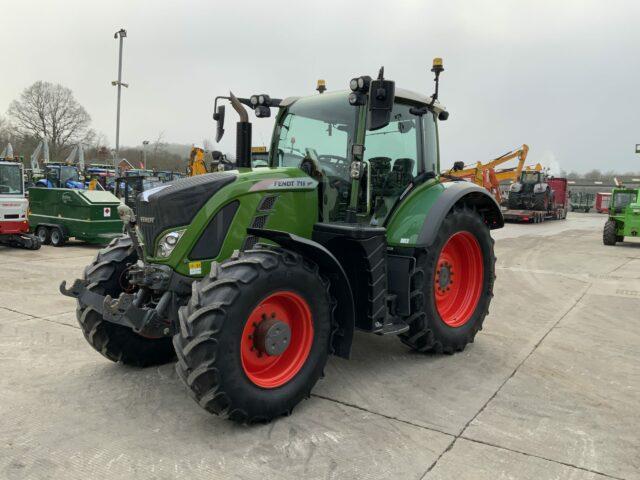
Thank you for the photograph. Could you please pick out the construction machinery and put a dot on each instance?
(624, 216)
(14, 224)
(254, 276)
(488, 176)
(259, 156)
(197, 165)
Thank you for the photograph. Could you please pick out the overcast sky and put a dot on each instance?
(562, 76)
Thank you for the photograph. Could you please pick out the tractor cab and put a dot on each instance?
(322, 134)
(621, 199)
(59, 175)
(531, 177)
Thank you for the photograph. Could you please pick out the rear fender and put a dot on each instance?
(340, 287)
(417, 221)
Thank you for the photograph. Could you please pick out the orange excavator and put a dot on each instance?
(488, 176)
(197, 165)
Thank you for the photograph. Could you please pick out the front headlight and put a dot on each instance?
(515, 187)
(168, 242)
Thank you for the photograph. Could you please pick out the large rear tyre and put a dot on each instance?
(255, 336)
(513, 202)
(106, 275)
(452, 285)
(609, 234)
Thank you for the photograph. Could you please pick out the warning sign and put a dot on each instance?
(195, 268)
(106, 211)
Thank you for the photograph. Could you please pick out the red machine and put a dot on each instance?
(602, 202)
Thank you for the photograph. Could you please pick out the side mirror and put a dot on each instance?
(381, 97)
(219, 118)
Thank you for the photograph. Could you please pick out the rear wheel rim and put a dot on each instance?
(55, 236)
(42, 234)
(459, 278)
(273, 371)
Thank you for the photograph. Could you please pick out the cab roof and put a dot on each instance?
(400, 93)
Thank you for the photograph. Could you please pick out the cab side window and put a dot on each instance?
(392, 157)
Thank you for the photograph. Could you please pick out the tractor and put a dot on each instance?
(624, 216)
(60, 175)
(253, 277)
(531, 192)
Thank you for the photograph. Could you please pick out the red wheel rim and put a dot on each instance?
(272, 371)
(459, 277)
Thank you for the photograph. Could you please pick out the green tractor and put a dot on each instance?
(624, 216)
(253, 277)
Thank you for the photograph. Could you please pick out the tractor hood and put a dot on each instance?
(175, 204)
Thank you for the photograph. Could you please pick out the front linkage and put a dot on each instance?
(131, 309)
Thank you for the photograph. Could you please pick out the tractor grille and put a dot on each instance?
(259, 221)
(175, 204)
(267, 203)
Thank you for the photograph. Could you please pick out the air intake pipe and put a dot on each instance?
(243, 134)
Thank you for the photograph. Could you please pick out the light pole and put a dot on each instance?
(144, 153)
(121, 34)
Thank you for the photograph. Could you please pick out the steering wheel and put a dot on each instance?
(5, 189)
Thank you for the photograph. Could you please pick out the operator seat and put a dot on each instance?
(400, 176)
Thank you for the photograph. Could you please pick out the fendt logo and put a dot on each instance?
(302, 183)
(147, 219)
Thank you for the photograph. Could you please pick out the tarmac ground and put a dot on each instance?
(550, 388)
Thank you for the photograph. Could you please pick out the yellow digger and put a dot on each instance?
(486, 175)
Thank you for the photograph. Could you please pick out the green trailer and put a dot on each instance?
(57, 214)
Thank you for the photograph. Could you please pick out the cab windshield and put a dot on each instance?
(622, 199)
(530, 177)
(11, 179)
(68, 174)
(319, 129)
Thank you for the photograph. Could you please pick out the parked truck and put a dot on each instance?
(537, 197)
(57, 214)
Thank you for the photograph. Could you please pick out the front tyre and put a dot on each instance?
(255, 336)
(609, 234)
(452, 285)
(106, 275)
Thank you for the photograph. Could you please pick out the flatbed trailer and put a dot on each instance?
(557, 210)
(533, 216)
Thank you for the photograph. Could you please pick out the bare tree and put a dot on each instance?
(158, 145)
(50, 110)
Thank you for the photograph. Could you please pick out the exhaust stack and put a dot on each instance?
(243, 134)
